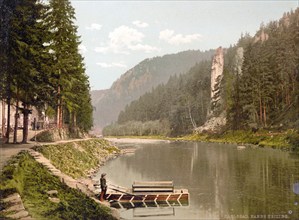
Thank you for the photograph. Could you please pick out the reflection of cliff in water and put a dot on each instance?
(222, 181)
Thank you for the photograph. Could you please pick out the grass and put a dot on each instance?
(32, 181)
(77, 158)
(288, 140)
(262, 138)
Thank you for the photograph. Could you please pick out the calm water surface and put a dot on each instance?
(223, 182)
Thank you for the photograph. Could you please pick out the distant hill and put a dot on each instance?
(140, 79)
(97, 95)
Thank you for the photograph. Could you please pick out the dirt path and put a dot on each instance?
(9, 150)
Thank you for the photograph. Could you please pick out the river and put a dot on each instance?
(224, 182)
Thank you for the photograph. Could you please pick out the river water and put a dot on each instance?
(223, 181)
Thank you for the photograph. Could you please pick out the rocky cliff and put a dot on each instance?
(216, 117)
(141, 79)
(217, 114)
(216, 73)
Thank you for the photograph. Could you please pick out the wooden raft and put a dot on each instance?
(149, 192)
(162, 186)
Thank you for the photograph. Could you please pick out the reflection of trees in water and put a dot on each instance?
(263, 182)
(221, 179)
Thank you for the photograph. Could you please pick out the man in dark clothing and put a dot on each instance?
(103, 187)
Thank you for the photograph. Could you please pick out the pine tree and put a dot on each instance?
(69, 68)
(7, 9)
(27, 59)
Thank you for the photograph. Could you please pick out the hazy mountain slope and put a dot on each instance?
(97, 95)
(141, 79)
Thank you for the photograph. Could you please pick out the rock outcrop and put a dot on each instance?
(217, 114)
(239, 58)
(261, 37)
(217, 71)
(216, 117)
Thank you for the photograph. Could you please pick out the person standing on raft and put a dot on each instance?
(103, 187)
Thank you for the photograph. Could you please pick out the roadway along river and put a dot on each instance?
(224, 182)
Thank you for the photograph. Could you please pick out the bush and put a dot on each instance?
(293, 139)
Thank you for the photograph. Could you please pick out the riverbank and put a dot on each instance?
(138, 140)
(64, 169)
(286, 140)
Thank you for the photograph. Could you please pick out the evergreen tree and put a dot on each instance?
(7, 9)
(69, 69)
(27, 59)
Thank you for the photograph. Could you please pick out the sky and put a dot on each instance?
(117, 35)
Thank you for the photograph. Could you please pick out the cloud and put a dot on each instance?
(171, 38)
(94, 26)
(140, 24)
(101, 49)
(143, 47)
(82, 49)
(124, 39)
(109, 65)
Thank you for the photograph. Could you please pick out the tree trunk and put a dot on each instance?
(75, 120)
(59, 110)
(25, 124)
(190, 116)
(61, 115)
(3, 121)
(265, 116)
(261, 111)
(8, 90)
(15, 134)
(8, 119)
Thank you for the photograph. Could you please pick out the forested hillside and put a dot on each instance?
(266, 93)
(176, 107)
(140, 79)
(259, 88)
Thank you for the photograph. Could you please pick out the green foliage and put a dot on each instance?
(70, 80)
(33, 181)
(265, 92)
(138, 128)
(77, 158)
(262, 138)
(42, 66)
(44, 136)
(293, 139)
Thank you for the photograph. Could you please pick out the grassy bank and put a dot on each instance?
(32, 181)
(287, 140)
(76, 159)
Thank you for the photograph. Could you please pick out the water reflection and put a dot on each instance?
(224, 183)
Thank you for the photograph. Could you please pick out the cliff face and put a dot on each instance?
(217, 72)
(239, 58)
(216, 117)
(217, 113)
(141, 79)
